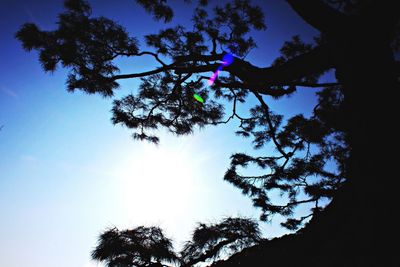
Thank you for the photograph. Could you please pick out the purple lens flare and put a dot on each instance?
(227, 59)
(214, 76)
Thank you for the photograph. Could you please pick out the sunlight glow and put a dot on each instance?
(157, 184)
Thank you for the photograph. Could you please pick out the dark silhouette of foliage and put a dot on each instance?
(158, 8)
(141, 246)
(349, 115)
(289, 172)
(210, 240)
(85, 45)
(165, 97)
(147, 246)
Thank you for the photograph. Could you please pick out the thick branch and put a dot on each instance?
(259, 88)
(296, 203)
(197, 69)
(141, 74)
(210, 253)
(265, 88)
(314, 85)
(199, 57)
(315, 61)
(152, 54)
(319, 15)
(175, 65)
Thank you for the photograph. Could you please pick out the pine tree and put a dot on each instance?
(352, 125)
(141, 246)
(209, 241)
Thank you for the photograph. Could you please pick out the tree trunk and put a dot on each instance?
(366, 69)
(359, 227)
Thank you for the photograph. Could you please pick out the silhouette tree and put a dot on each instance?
(147, 246)
(209, 241)
(141, 246)
(351, 113)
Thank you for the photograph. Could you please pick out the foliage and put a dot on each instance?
(88, 46)
(141, 246)
(210, 240)
(85, 45)
(305, 145)
(310, 156)
(147, 246)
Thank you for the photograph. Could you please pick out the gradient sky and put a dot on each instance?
(66, 173)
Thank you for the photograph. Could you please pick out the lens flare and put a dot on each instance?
(198, 98)
(214, 76)
(227, 60)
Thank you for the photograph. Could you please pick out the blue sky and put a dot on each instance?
(66, 173)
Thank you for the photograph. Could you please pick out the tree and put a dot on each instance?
(141, 246)
(210, 240)
(351, 113)
(147, 246)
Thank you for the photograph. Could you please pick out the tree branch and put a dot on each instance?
(196, 69)
(314, 85)
(259, 79)
(315, 61)
(197, 57)
(141, 74)
(271, 127)
(208, 254)
(296, 203)
(319, 15)
(152, 54)
(175, 65)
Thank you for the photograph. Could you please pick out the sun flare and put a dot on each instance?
(158, 184)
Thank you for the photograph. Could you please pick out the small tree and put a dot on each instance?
(139, 247)
(210, 240)
(147, 246)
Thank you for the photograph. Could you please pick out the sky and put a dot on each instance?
(67, 173)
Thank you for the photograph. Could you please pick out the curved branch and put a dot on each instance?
(259, 88)
(141, 74)
(208, 254)
(271, 126)
(293, 203)
(152, 54)
(315, 61)
(198, 57)
(319, 15)
(175, 65)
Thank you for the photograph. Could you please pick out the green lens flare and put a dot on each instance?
(198, 98)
